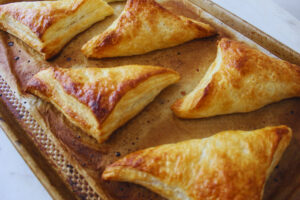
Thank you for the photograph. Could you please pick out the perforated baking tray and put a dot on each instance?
(69, 165)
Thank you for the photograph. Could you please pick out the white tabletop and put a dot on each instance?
(278, 18)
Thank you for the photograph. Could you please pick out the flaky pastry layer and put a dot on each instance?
(229, 165)
(241, 79)
(142, 27)
(47, 26)
(99, 100)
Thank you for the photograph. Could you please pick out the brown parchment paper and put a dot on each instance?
(156, 124)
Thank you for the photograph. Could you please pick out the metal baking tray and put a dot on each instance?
(69, 165)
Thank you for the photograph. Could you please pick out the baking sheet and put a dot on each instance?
(155, 125)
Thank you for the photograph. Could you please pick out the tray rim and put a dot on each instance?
(246, 29)
(233, 21)
(28, 158)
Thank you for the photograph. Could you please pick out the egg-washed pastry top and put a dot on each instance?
(47, 26)
(99, 100)
(241, 79)
(226, 166)
(144, 26)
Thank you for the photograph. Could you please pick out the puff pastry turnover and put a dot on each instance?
(47, 26)
(241, 79)
(144, 26)
(229, 165)
(99, 100)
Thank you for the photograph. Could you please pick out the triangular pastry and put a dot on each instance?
(241, 79)
(99, 100)
(47, 26)
(229, 165)
(144, 26)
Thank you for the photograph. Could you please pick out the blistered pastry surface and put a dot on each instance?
(241, 79)
(228, 165)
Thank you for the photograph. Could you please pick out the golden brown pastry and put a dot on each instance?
(142, 27)
(47, 26)
(99, 100)
(229, 165)
(241, 79)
